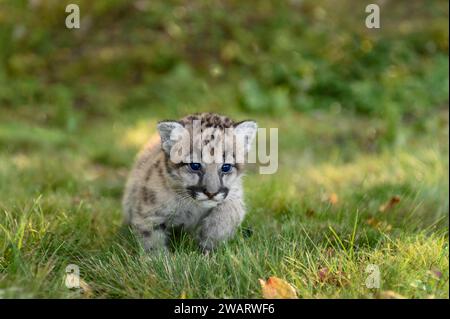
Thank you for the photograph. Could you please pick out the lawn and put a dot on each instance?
(363, 146)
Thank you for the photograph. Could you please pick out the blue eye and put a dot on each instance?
(195, 166)
(226, 168)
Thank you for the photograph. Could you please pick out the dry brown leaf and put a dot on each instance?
(389, 294)
(276, 288)
(323, 273)
(390, 204)
(337, 278)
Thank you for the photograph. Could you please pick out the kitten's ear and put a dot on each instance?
(246, 130)
(170, 132)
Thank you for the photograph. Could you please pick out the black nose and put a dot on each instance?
(223, 190)
(210, 195)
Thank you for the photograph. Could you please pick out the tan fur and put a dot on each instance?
(161, 195)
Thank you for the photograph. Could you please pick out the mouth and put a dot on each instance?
(217, 199)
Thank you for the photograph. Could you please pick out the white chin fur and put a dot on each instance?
(208, 203)
(203, 197)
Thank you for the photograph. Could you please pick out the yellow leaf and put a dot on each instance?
(333, 199)
(85, 289)
(379, 225)
(276, 288)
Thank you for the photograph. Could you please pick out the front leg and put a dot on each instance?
(220, 224)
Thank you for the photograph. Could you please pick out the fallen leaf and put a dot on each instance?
(372, 221)
(276, 288)
(337, 278)
(85, 289)
(333, 199)
(390, 204)
(379, 225)
(389, 294)
(323, 273)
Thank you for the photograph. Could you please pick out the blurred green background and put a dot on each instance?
(267, 57)
(362, 117)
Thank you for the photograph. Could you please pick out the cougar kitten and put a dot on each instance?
(190, 180)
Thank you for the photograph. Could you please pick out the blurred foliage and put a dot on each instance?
(269, 57)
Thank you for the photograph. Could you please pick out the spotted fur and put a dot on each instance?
(162, 194)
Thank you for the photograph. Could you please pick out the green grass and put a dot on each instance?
(362, 117)
(61, 196)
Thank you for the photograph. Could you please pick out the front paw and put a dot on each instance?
(205, 251)
(210, 238)
(206, 244)
(216, 229)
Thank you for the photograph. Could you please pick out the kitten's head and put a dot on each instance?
(205, 154)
